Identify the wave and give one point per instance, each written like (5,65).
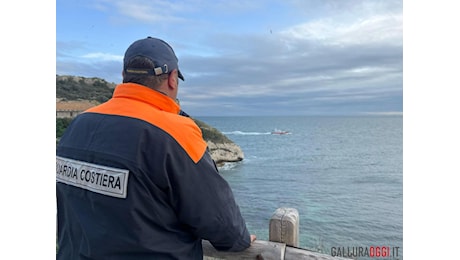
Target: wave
(228,166)
(246,133)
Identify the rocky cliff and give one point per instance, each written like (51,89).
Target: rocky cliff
(221,148)
(225,152)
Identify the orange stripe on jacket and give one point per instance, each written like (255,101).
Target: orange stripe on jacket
(137,101)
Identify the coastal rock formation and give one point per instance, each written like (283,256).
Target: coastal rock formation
(225,152)
(221,148)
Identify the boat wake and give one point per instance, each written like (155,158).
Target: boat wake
(246,133)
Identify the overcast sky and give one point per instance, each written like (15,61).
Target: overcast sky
(259,57)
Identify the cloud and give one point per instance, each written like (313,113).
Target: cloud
(103,56)
(373,30)
(321,56)
(156,12)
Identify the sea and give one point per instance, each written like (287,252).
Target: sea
(343,174)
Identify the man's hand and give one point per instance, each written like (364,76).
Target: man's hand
(253,238)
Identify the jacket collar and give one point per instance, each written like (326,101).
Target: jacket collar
(147,95)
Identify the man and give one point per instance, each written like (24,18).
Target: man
(134,178)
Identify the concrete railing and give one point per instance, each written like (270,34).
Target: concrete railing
(283,242)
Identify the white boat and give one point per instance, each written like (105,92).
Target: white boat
(279,132)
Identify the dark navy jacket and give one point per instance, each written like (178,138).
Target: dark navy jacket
(135,181)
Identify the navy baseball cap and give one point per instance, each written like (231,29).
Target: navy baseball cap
(158,51)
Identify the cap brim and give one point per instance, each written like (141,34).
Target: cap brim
(180,75)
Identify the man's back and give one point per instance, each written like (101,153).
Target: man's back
(134,181)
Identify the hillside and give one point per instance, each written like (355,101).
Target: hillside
(79,88)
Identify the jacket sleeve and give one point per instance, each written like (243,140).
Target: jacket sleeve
(205,203)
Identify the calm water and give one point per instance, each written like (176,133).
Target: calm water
(343,174)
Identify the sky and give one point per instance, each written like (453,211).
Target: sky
(258,57)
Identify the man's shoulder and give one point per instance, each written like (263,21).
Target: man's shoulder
(187,133)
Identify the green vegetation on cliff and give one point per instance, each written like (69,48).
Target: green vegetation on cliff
(211,134)
(79,88)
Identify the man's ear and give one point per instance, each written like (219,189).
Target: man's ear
(172,79)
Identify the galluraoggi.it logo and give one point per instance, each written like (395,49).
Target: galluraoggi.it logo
(361,251)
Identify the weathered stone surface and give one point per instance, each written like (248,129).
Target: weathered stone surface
(225,152)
